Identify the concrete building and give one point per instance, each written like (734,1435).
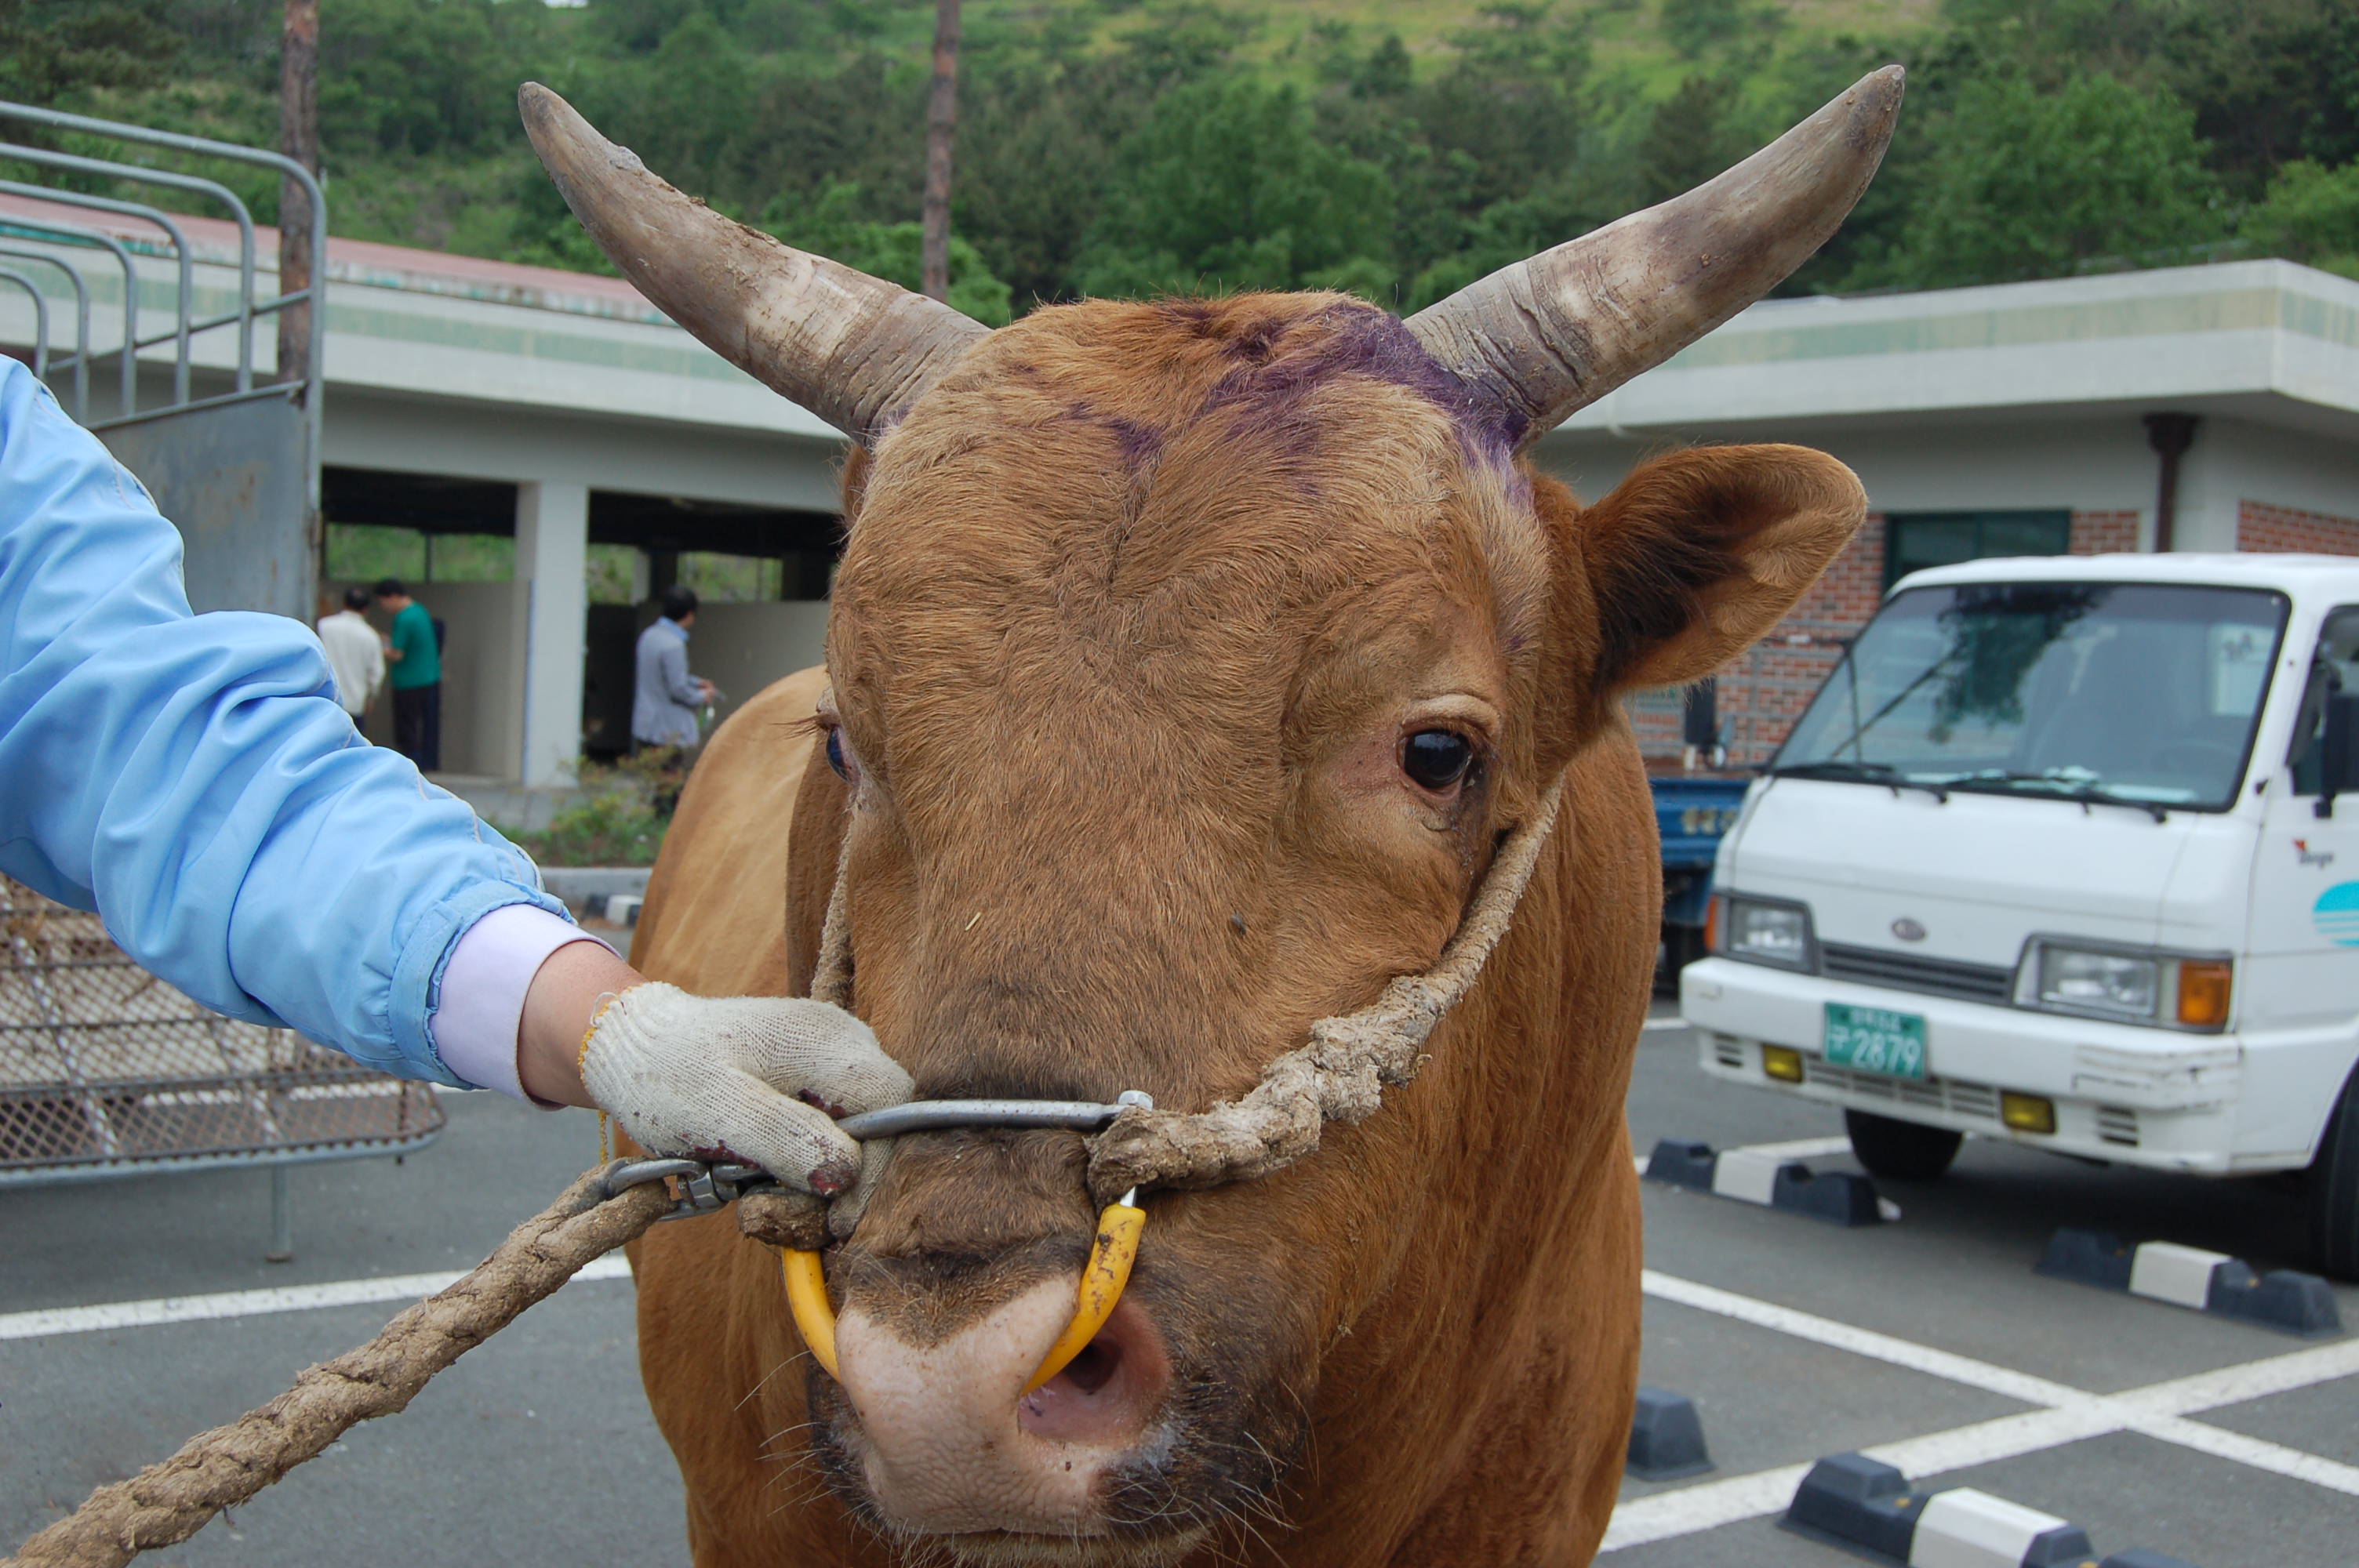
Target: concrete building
(563,411)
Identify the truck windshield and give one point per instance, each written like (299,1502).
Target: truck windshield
(2142,693)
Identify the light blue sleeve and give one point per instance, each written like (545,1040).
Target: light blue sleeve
(194,779)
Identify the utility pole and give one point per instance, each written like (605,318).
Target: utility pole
(941,129)
(298,138)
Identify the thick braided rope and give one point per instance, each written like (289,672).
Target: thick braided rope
(169,1502)
(832,972)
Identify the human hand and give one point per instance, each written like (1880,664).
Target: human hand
(697,1076)
(756,1079)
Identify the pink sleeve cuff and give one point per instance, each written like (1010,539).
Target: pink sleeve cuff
(475,1020)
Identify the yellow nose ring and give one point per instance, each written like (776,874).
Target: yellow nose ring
(1120,1224)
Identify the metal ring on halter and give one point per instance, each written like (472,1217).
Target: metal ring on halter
(1104,1277)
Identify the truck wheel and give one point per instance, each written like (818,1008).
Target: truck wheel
(2333,1191)
(1904,1151)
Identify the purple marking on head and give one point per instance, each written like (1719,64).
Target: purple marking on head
(1360,340)
(1139,444)
(1252,344)
(1519,488)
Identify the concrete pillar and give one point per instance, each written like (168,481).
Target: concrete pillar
(551,563)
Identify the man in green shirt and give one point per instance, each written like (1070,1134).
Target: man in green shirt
(416,660)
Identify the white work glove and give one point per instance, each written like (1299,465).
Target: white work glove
(750,1079)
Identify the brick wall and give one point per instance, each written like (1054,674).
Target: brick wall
(2105,533)
(2281,530)
(1765,689)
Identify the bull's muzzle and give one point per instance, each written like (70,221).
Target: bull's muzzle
(1120,1224)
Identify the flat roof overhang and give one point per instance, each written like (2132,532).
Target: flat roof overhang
(433,503)
(2267,341)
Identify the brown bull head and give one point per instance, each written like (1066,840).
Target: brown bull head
(1189,662)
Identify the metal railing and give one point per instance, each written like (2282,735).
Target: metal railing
(105,1071)
(187,326)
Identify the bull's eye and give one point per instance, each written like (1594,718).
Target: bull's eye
(1437,759)
(835,754)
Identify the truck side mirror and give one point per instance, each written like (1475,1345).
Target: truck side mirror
(2338,749)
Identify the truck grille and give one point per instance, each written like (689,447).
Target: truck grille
(1955,1096)
(1911,972)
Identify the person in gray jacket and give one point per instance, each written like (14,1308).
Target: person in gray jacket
(664,703)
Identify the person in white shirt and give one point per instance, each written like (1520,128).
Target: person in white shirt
(356,653)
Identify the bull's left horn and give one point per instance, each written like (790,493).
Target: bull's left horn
(1545,337)
(855,349)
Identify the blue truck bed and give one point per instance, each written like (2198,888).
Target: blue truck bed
(1692,812)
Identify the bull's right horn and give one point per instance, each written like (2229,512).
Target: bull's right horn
(1543,337)
(852,349)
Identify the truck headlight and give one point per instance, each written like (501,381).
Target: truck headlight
(1766,931)
(2101,982)
(2135,985)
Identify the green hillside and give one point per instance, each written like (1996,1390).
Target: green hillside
(1396,147)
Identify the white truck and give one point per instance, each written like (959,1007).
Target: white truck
(2066,852)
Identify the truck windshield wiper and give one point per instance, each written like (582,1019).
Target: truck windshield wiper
(2086,791)
(1883,773)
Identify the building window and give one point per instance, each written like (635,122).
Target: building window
(1914,540)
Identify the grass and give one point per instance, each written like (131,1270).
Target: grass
(606,830)
(615,825)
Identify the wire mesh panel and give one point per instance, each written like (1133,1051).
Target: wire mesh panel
(106,1070)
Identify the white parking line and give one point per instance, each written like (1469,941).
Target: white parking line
(252,1303)
(1942,1364)
(1654,1023)
(2066,1415)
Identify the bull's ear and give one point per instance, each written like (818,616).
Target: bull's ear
(1697,553)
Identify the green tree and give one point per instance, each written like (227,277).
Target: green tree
(832,226)
(53,50)
(420,76)
(1038,143)
(2311,214)
(1690,137)
(1227,186)
(1691,27)
(2025,183)
(2269,80)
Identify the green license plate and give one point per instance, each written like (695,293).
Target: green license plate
(1875,1040)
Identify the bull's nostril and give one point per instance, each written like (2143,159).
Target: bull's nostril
(1095,1368)
(1107,1393)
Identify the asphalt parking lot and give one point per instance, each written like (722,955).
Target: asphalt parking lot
(1930,1344)
(1928,1341)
